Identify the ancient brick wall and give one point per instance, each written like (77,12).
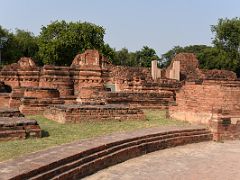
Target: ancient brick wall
(58,77)
(124,77)
(90,80)
(197,101)
(15,97)
(144,100)
(25,73)
(189,70)
(82,113)
(87,80)
(36,100)
(18,128)
(224,127)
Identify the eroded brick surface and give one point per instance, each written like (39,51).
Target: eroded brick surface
(81,113)
(12,128)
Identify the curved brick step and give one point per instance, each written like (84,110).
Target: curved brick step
(92,160)
(111,148)
(118,157)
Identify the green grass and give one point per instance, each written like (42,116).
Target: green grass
(56,134)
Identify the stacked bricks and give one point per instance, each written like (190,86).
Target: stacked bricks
(197,100)
(13,125)
(25,73)
(15,97)
(90,82)
(57,77)
(18,128)
(82,113)
(224,126)
(153,100)
(35,100)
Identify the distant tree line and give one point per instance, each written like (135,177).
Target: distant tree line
(60,41)
(225,52)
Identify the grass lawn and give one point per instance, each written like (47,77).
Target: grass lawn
(56,134)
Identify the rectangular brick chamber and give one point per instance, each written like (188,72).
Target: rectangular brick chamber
(12,128)
(80,113)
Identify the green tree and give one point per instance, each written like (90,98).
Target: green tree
(19,44)
(145,56)
(109,52)
(196,49)
(121,57)
(26,43)
(60,41)
(227,38)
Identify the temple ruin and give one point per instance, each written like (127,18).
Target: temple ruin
(93,88)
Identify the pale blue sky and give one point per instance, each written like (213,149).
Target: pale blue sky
(160,24)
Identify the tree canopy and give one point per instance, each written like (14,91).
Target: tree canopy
(60,41)
(227,39)
(142,57)
(19,44)
(225,52)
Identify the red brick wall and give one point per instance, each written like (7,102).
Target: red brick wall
(197,101)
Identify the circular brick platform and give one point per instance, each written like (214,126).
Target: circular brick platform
(206,160)
(79,159)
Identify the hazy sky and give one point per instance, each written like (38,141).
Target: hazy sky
(160,24)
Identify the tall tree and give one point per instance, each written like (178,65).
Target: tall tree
(20,43)
(196,49)
(121,57)
(145,56)
(109,52)
(26,43)
(227,38)
(60,41)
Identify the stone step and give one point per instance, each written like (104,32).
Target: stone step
(112,149)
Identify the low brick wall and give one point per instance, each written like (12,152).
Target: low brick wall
(10,112)
(36,100)
(13,128)
(225,127)
(80,113)
(33,106)
(41,93)
(196,101)
(145,100)
(15,97)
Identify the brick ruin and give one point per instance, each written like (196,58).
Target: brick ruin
(79,113)
(208,97)
(90,80)
(188,93)
(13,125)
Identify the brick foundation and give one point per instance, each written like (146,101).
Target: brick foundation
(18,128)
(82,113)
(10,112)
(36,100)
(151,100)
